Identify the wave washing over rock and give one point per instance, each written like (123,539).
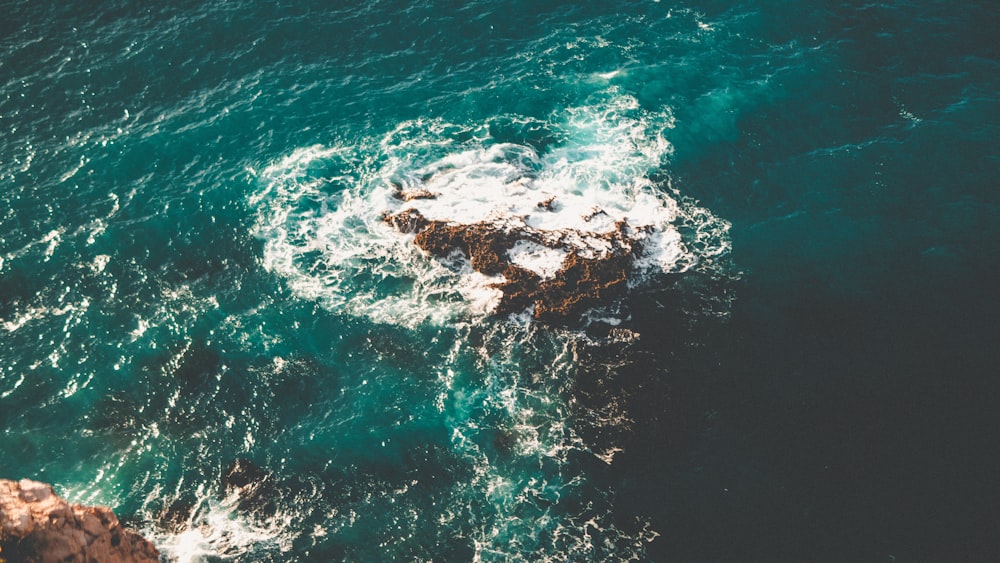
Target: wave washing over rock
(557,225)
(491,247)
(37,525)
(586,276)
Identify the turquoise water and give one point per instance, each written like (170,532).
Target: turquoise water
(193,271)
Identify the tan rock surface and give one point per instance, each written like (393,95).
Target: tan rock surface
(38,526)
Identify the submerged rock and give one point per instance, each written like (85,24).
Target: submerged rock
(594,271)
(38,526)
(175,517)
(548,204)
(254,487)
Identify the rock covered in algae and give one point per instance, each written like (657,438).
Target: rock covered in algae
(593,272)
(38,526)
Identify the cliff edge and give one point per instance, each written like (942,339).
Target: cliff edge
(38,526)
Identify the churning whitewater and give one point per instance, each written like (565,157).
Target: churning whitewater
(503,387)
(575,177)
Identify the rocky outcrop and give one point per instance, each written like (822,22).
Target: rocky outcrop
(412,194)
(38,526)
(593,273)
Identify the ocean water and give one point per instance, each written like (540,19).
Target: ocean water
(194,271)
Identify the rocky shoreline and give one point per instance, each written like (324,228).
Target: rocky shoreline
(36,525)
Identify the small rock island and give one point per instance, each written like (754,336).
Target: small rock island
(594,268)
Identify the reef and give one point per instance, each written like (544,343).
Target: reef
(594,271)
(36,525)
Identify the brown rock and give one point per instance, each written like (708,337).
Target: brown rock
(38,526)
(594,212)
(410,195)
(408,221)
(587,279)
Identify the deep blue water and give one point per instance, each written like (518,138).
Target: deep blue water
(192,272)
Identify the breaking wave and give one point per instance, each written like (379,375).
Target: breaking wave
(581,172)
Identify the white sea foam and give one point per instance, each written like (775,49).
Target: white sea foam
(520,486)
(542,260)
(220,531)
(320,209)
